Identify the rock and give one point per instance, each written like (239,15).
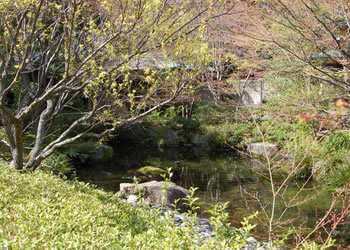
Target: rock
(264,149)
(178,219)
(150,170)
(253,91)
(91,150)
(132,199)
(251,240)
(200,140)
(135,132)
(159,193)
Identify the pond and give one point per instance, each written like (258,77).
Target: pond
(220,177)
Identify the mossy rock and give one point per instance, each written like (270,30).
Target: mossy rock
(150,170)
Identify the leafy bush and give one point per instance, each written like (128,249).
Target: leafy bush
(163,116)
(42,211)
(336,141)
(61,162)
(232,133)
(339,176)
(277,131)
(333,154)
(210,114)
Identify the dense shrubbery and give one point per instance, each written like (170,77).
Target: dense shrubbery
(232,133)
(272,123)
(42,211)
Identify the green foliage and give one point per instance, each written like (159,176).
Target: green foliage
(60,162)
(232,133)
(42,211)
(290,86)
(332,159)
(278,131)
(171,117)
(208,113)
(167,176)
(329,156)
(339,175)
(191,201)
(88,149)
(229,237)
(338,140)
(219,220)
(163,116)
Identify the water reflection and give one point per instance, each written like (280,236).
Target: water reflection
(221,177)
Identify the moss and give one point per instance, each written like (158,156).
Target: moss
(149,170)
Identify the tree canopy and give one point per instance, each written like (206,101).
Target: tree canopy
(55,54)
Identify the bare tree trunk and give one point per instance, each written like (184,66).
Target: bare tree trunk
(17,158)
(17,151)
(14,133)
(40,136)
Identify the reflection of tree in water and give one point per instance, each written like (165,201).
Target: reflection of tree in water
(219,176)
(213,174)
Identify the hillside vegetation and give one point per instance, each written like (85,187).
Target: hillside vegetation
(42,211)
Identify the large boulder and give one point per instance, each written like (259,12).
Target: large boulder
(249,92)
(264,149)
(158,193)
(91,151)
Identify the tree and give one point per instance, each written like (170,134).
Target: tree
(310,37)
(54,53)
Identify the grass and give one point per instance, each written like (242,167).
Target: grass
(42,211)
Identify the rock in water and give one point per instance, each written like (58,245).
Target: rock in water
(150,170)
(264,149)
(158,193)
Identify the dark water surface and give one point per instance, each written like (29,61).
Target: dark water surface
(220,177)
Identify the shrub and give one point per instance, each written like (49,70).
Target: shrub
(233,133)
(280,132)
(339,176)
(61,162)
(336,141)
(42,211)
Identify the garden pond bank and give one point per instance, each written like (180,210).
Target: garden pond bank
(220,177)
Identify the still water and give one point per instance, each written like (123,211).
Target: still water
(220,177)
